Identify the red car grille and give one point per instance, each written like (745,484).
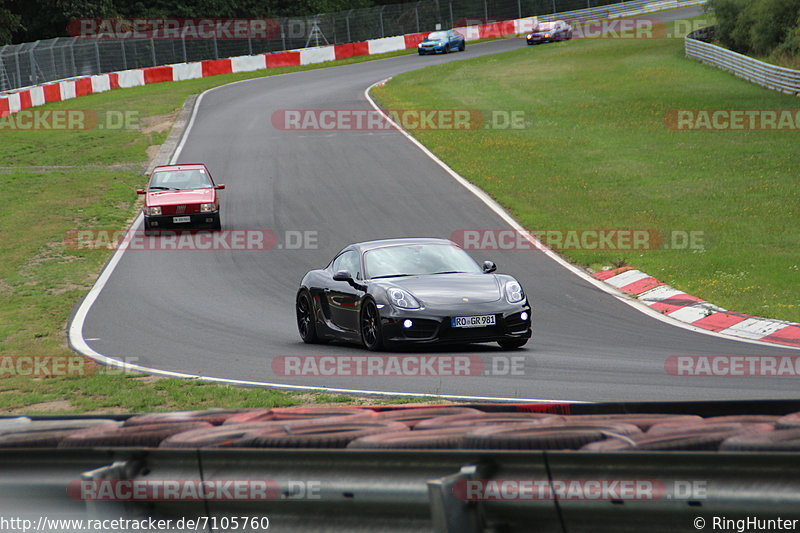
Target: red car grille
(180,209)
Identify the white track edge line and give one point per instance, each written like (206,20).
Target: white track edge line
(511,221)
(75,330)
(79,344)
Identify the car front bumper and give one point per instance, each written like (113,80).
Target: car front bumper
(195,220)
(431,50)
(434,326)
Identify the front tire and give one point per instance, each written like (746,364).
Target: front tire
(512,344)
(370,325)
(306,324)
(462,47)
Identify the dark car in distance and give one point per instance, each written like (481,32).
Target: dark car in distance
(550,32)
(411,291)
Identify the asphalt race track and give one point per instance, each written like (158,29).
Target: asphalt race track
(228,314)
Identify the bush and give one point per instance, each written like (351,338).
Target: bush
(760,27)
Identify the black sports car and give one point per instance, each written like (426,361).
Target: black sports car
(411,291)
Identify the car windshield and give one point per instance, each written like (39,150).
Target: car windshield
(437,36)
(417,260)
(180,179)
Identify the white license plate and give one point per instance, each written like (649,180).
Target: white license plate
(178,220)
(472,321)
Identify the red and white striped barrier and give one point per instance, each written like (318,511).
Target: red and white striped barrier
(692,310)
(64,90)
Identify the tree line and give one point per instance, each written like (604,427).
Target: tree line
(764,28)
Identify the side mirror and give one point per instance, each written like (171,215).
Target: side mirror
(489,267)
(220,186)
(139,191)
(342,275)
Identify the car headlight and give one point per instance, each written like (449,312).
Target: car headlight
(153,210)
(402,299)
(514,292)
(546,35)
(208,208)
(530,36)
(419,45)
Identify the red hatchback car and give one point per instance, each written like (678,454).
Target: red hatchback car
(181,196)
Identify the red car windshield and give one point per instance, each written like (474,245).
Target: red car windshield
(174,180)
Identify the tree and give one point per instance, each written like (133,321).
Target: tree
(9,23)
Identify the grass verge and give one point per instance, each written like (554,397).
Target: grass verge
(59,180)
(596,154)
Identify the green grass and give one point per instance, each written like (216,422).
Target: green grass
(57,181)
(111,391)
(598,155)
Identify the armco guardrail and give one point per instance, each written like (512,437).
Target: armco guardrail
(774,77)
(15,101)
(203,39)
(400,491)
(30,64)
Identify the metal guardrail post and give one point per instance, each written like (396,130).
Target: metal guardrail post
(115,471)
(33,65)
(19,71)
(53,64)
(452,21)
(97,56)
(183,45)
(450,514)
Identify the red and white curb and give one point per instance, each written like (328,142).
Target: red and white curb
(57,91)
(697,312)
(16,101)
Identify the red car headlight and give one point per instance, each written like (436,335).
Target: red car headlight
(153,210)
(208,208)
